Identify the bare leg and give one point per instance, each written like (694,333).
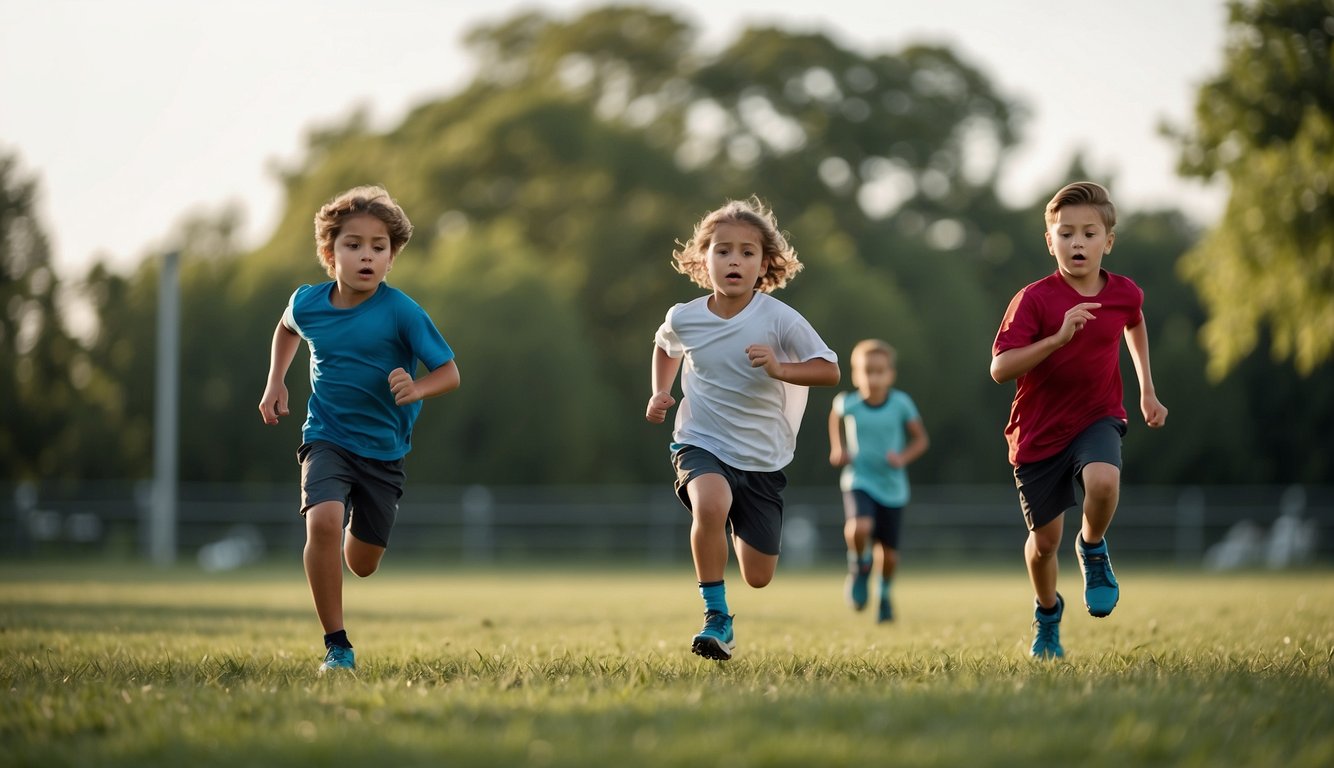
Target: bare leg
(1040,555)
(324,563)
(1102,492)
(362,558)
(757,568)
(856,532)
(889,560)
(710,503)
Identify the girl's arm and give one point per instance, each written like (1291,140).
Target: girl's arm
(665,368)
(274,401)
(1137,340)
(816,372)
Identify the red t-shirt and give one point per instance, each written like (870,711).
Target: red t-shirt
(1078,383)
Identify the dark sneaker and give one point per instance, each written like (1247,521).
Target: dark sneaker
(1047,632)
(857,587)
(1100,588)
(886,612)
(338,657)
(715,641)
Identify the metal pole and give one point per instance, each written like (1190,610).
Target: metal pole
(162,516)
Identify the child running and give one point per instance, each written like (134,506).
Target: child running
(748,361)
(875,432)
(1060,341)
(366,339)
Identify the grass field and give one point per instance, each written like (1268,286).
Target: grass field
(124,666)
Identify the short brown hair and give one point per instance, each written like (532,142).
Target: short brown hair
(691,260)
(368,200)
(869,347)
(1083,193)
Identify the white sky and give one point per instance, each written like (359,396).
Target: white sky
(132,113)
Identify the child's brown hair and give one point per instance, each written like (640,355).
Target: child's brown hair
(780,257)
(1083,193)
(367,200)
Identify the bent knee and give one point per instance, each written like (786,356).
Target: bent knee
(1101,480)
(363,569)
(758,580)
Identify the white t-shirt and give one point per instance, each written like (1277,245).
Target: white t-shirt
(739,413)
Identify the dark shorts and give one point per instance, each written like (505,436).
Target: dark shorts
(369,489)
(756,516)
(1047,487)
(886,520)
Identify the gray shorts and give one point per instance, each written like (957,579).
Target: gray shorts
(1047,487)
(756,516)
(369,489)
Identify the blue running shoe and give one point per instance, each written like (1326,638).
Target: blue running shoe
(338,657)
(886,613)
(1047,632)
(857,587)
(716,640)
(1100,588)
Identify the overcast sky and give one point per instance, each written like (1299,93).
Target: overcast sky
(132,113)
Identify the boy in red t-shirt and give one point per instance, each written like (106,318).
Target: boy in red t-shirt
(1061,341)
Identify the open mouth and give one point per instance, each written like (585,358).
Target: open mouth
(366,272)
(733,275)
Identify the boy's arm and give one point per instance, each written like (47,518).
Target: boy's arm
(1137,340)
(274,401)
(665,368)
(838,452)
(408,390)
(816,372)
(1016,361)
(918,442)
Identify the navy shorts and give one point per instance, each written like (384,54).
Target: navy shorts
(886,520)
(369,489)
(756,516)
(1047,487)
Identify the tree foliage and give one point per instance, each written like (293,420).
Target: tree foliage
(548,195)
(1266,123)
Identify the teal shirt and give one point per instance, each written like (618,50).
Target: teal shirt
(871,432)
(352,352)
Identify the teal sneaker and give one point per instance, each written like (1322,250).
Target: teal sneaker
(886,613)
(338,657)
(1047,632)
(1100,588)
(857,587)
(715,641)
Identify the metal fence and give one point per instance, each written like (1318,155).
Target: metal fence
(221,525)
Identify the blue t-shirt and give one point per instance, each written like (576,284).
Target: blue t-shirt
(871,432)
(352,352)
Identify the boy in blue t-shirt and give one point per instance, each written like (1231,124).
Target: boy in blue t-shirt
(366,339)
(874,434)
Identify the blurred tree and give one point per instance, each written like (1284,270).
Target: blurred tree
(1266,123)
(547,196)
(55,398)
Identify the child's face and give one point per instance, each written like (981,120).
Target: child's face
(362,254)
(873,375)
(735,259)
(1078,239)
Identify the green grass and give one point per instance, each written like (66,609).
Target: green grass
(121,666)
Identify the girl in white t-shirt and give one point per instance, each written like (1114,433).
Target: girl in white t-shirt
(748,360)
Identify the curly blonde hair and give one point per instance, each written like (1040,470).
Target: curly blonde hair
(781,259)
(367,200)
